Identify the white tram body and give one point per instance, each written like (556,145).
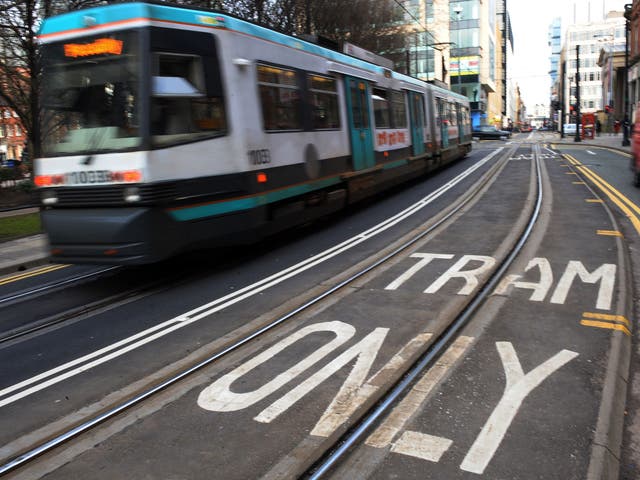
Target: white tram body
(168,129)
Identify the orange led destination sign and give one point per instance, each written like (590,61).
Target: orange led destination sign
(98,47)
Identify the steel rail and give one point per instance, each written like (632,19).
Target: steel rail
(353,437)
(116,410)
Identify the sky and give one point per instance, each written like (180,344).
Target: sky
(530,24)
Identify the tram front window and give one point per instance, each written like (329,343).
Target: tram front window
(90,97)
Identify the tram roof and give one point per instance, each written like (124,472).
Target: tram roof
(133,14)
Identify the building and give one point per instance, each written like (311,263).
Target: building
(465,44)
(555,42)
(583,50)
(12,135)
(475,57)
(633,17)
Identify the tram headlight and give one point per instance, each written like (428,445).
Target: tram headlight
(49,197)
(131,194)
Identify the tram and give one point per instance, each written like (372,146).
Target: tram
(170,128)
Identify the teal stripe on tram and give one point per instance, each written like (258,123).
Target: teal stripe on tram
(241,204)
(395,164)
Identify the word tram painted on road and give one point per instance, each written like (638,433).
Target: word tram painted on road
(472,268)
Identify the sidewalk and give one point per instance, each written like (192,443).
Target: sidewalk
(23,253)
(604,140)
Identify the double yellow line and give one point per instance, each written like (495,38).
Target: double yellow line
(630,209)
(32,273)
(603,320)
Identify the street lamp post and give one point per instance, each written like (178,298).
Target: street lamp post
(458,10)
(415,43)
(625,120)
(577,137)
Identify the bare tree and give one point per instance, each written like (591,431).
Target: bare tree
(20,60)
(371,24)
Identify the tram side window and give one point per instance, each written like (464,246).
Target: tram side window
(280,98)
(381,108)
(399,110)
(323,99)
(453,114)
(180,110)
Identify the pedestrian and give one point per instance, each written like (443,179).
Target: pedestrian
(598,127)
(616,127)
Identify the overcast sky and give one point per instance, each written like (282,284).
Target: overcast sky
(530,23)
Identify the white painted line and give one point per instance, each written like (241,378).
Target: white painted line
(517,387)
(421,445)
(144,337)
(591,153)
(413,401)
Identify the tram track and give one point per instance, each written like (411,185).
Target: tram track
(208,309)
(356,434)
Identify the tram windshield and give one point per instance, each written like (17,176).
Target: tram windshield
(90,95)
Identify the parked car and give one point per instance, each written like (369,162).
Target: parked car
(570,129)
(489,132)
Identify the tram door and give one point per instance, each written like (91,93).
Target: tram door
(443,117)
(357,95)
(416,111)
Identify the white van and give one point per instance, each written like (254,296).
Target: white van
(570,129)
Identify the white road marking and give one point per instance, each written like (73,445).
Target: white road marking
(540,288)
(80,365)
(352,393)
(518,386)
(469,276)
(421,445)
(606,274)
(218,396)
(591,153)
(426,259)
(413,401)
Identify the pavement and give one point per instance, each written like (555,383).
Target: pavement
(21,254)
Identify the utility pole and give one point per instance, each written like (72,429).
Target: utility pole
(577,139)
(563,111)
(458,10)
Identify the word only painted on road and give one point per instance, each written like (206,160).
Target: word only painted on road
(470,269)
(360,385)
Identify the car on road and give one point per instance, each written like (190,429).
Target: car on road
(489,132)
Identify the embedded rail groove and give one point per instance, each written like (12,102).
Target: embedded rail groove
(443,217)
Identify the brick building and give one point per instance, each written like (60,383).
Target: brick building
(13,137)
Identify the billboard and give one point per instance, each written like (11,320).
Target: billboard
(468,66)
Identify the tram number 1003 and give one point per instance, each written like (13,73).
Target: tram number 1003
(259,157)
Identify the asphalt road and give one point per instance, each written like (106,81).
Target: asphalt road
(531,389)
